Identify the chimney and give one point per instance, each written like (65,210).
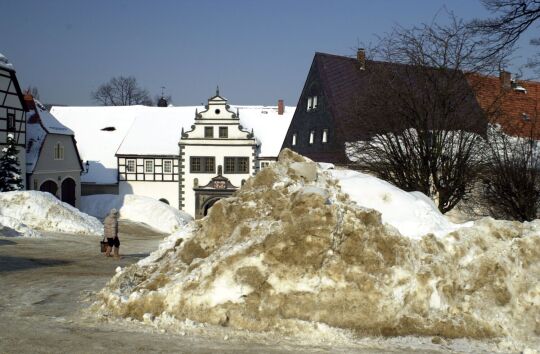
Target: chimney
(29,101)
(361,57)
(280,107)
(506,80)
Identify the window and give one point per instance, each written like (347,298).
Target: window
(265,164)
(208,132)
(223,132)
(294,139)
(130,166)
(202,164)
(311,137)
(58,151)
(236,164)
(312,103)
(167,166)
(11,121)
(148,166)
(325,135)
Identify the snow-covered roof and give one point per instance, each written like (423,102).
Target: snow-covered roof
(40,123)
(142,130)
(4,63)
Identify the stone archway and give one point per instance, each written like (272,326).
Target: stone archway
(68,191)
(49,186)
(208,204)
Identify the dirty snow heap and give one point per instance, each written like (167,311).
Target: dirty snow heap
(291,247)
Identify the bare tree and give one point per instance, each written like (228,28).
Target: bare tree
(423,125)
(511,184)
(513,17)
(122,91)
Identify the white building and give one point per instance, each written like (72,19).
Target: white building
(12,111)
(53,163)
(188,157)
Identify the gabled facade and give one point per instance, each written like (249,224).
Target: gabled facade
(12,111)
(216,153)
(53,163)
(188,157)
(329,109)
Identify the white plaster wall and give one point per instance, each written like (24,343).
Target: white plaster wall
(156,190)
(220,152)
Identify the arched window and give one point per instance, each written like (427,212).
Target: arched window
(59,151)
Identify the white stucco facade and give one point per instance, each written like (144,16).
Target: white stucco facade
(165,191)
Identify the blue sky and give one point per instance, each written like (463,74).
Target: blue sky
(256,51)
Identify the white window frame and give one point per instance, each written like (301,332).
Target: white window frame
(294,139)
(314,99)
(146,170)
(165,163)
(58,151)
(128,170)
(311,137)
(309,103)
(325,135)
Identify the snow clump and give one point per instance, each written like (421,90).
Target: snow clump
(154,213)
(290,247)
(43,211)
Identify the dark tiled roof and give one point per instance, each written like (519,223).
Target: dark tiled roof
(344,83)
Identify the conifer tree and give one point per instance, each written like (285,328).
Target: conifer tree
(10,173)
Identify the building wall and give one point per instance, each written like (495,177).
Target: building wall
(38,178)
(93,188)
(11,103)
(315,120)
(219,152)
(48,168)
(156,190)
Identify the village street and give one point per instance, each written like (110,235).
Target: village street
(48,282)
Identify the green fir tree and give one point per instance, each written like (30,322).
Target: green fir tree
(10,173)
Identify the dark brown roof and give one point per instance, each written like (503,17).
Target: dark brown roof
(344,83)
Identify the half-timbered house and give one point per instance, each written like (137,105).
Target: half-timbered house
(12,111)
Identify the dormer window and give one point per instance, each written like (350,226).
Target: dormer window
(293,143)
(208,132)
(312,103)
(311,137)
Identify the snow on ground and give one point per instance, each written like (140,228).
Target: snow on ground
(291,249)
(154,213)
(11,227)
(42,211)
(413,214)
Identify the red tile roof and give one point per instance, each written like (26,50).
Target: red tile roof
(516,111)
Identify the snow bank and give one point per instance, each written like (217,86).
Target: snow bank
(154,213)
(11,227)
(413,214)
(291,247)
(42,211)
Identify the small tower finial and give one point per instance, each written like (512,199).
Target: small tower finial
(237,113)
(162,90)
(217,90)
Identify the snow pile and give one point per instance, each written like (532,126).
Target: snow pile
(11,227)
(291,248)
(154,213)
(413,214)
(42,211)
